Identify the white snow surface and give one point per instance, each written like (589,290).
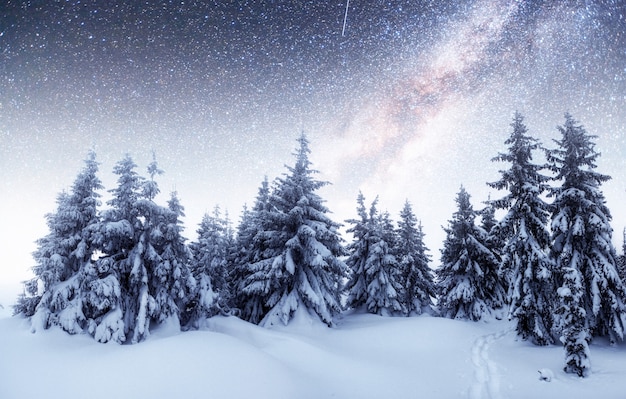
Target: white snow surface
(364,356)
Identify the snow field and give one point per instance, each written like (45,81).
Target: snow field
(365,356)
(518,364)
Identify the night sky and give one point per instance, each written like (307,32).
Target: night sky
(410,102)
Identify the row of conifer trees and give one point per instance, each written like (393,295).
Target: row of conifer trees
(553,264)
(113,273)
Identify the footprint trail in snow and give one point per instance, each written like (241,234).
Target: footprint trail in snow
(486,380)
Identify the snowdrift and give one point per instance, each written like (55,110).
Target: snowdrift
(365,356)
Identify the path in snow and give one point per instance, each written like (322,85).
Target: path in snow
(486,381)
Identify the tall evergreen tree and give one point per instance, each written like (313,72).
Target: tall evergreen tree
(385,290)
(210,266)
(375,274)
(525,262)
(469,286)
(143,275)
(140,304)
(116,237)
(250,248)
(172,281)
(64,256)
(418,287)
(494,242)
(358,250)
(300,267)
(582,241)
(238,254)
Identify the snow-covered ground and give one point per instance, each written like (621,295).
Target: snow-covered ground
(365,356)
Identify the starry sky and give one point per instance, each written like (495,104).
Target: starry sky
(406,100)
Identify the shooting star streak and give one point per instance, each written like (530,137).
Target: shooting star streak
(345,19)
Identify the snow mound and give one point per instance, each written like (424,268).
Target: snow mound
(545,374)
(365,356)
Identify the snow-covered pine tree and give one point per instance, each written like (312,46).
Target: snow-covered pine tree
(210,267)
(384,289)
(159,277)
(143,274)
(468,283)
(300,268)
(117,235)
(47,269)
(249,248)
(172,281)
(582,236)
(525,265)
(375,274)
(229,233)
(358,250)
(494,242)
(232,253)
(418,287)
(143,256)
(55,294)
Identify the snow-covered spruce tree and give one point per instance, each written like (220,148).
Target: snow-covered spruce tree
(384,291)
(494,241)
(210,267)
(374,282)
(156,286)
(300,268)
(117,235)
(249,249)
(525,265)
(139,302)
(358,250)
(143,275)
(582,235)
(172,281)
(468,283)
(55,294)
(418,287)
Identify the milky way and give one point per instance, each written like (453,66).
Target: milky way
(410,102)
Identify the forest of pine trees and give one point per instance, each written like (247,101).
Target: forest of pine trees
(116,272)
